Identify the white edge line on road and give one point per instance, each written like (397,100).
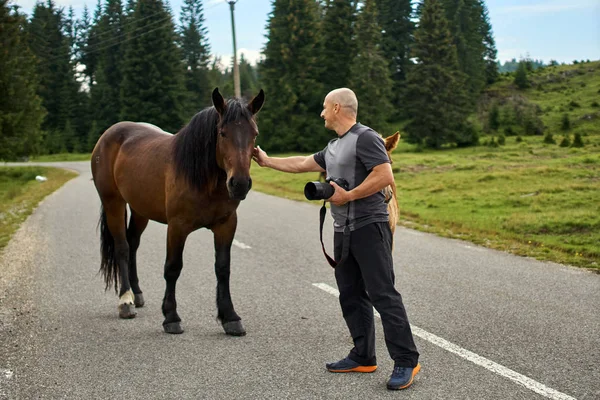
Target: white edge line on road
(474,248)
(474,358)
(241,245)
(414,232)
(6,372)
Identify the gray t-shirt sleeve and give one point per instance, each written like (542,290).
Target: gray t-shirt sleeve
(320,158)
(370,150)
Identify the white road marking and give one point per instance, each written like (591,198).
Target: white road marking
(241,245)
(6,373)
(474,248)
(413,232)
(474,358)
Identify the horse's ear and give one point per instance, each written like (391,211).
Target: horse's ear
(256,103)
(218,101)
(391,142)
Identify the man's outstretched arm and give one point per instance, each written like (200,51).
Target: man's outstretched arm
(287,164)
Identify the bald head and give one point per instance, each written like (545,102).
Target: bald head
(346,99)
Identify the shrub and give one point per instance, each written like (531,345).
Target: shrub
(549,139)
(565,123)
(566,142)
(508,131)
(492,143)
(577,141)
(533,125)
(494,117)
(519,139)
(501,140)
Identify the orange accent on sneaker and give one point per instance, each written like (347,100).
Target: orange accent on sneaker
(360,368)
(414,373)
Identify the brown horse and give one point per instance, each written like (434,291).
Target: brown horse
(390,192)
(193,179)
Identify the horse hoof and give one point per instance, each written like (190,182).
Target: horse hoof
(173,328)
(139,300)
(127,311)
(234,328)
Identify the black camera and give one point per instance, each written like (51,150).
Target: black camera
(323,191)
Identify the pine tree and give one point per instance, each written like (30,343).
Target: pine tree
(248,79)
(490,53)
(476,49)
(90,49)
(339,48)
(21,111)
(83,27)
(109,52)
(494,117)
(521,79)
(196,53)
(152,88)
(465,26)
(51,39)
(93,136)
(370,73)
(438,106)
(394,18)
(290,76)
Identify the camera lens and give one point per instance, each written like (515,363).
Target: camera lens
(318,191)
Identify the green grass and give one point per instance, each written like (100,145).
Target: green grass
(544,205)
(62,157)
(20,193)
(529,198)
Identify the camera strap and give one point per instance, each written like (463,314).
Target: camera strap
(346,239)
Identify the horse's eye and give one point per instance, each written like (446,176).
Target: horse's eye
(222,133)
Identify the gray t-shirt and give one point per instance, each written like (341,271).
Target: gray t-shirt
(352,156)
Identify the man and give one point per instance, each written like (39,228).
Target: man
(365,278)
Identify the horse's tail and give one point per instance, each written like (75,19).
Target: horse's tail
(109,267)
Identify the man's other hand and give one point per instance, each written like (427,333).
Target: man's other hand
(340,196)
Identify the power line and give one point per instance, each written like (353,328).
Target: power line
(102,45)
(109,46)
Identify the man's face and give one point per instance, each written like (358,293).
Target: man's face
(328,114)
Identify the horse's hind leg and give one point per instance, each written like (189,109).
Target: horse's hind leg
(116,218)
(223,235)
(137,225)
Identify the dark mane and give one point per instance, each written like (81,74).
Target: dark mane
(195,150)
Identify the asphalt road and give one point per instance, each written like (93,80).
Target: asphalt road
(488,325)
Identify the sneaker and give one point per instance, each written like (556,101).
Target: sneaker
(348,365)
(402,377)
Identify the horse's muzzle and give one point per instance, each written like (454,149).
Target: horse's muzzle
(239,187)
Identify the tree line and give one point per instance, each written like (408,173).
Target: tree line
(66,79)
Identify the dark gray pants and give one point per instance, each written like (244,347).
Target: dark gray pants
(366,280)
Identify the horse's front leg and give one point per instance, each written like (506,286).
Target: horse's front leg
(224,234)
(176,236)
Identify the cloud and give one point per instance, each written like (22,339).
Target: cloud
(549,7)
(252,56)
(509,54)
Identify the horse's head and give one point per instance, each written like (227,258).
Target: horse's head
(236,136)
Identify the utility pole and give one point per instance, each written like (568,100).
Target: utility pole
(236,70)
